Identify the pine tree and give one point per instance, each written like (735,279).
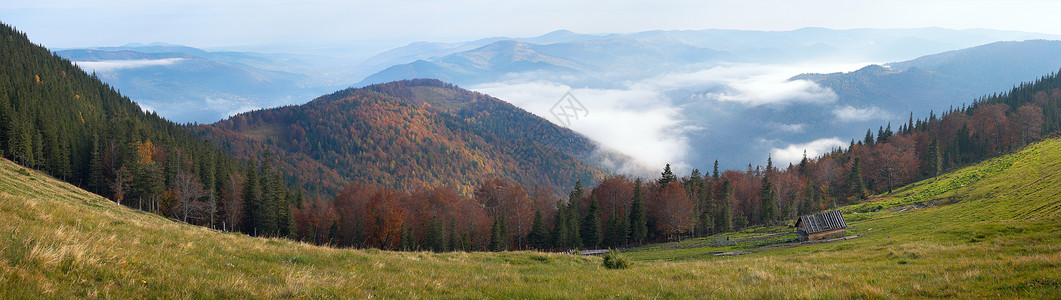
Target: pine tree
(638,216)
(868,141)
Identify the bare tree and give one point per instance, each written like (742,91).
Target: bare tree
(233,200)
(121,183)
(188,191)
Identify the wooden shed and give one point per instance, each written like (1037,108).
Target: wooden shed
(820,226)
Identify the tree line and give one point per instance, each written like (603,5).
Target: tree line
(622,211)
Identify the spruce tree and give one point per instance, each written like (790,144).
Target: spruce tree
(715,174)
(252,204)
(666,177)
(498,235)
(454,237)
(408,241)
(854,184)
(538,236)
(933,160)
(638,216)
(591,225)
(558,237)
(768,206)
(435,237)
(725,212)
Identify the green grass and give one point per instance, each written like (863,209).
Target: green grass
(989,230)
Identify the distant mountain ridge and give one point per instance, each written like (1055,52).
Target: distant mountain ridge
(409,134)
(939,81)
(644,52)
(195,85)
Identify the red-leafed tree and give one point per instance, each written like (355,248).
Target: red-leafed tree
(675,210)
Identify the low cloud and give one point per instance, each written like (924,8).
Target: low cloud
(643,118)
(849,113)
(112,65)
(639,123)
(794,153)
(751,84)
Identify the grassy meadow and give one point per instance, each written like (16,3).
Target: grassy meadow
(988,230)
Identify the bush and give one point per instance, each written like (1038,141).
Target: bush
(613,260)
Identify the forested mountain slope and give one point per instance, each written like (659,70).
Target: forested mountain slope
(56,118)
(410,134)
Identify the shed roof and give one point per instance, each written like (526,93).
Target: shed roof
(821,222)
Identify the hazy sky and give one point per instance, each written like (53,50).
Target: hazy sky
(214,23)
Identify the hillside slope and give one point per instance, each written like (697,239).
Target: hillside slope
(996,236)
(411,134)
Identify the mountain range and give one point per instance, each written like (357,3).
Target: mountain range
(732,95)
(188,84)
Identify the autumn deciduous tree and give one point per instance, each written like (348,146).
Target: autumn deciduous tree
(120,184)
(1029,119)
(675,211)
(188,191)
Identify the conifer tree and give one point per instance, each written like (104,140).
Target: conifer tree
(538,236)
(559,236)
(933,160)
(408,240)
(435,236)
(854,184)
(252,204)
(767,196)
(638,216)
(725,212)
(498,235)
(715,174)
(454,238)
(666,177)
(591,225)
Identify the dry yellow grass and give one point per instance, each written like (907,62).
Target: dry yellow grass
(60,242)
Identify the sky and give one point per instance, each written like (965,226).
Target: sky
(386,24)
(364,28)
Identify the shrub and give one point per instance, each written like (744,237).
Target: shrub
(613,260)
